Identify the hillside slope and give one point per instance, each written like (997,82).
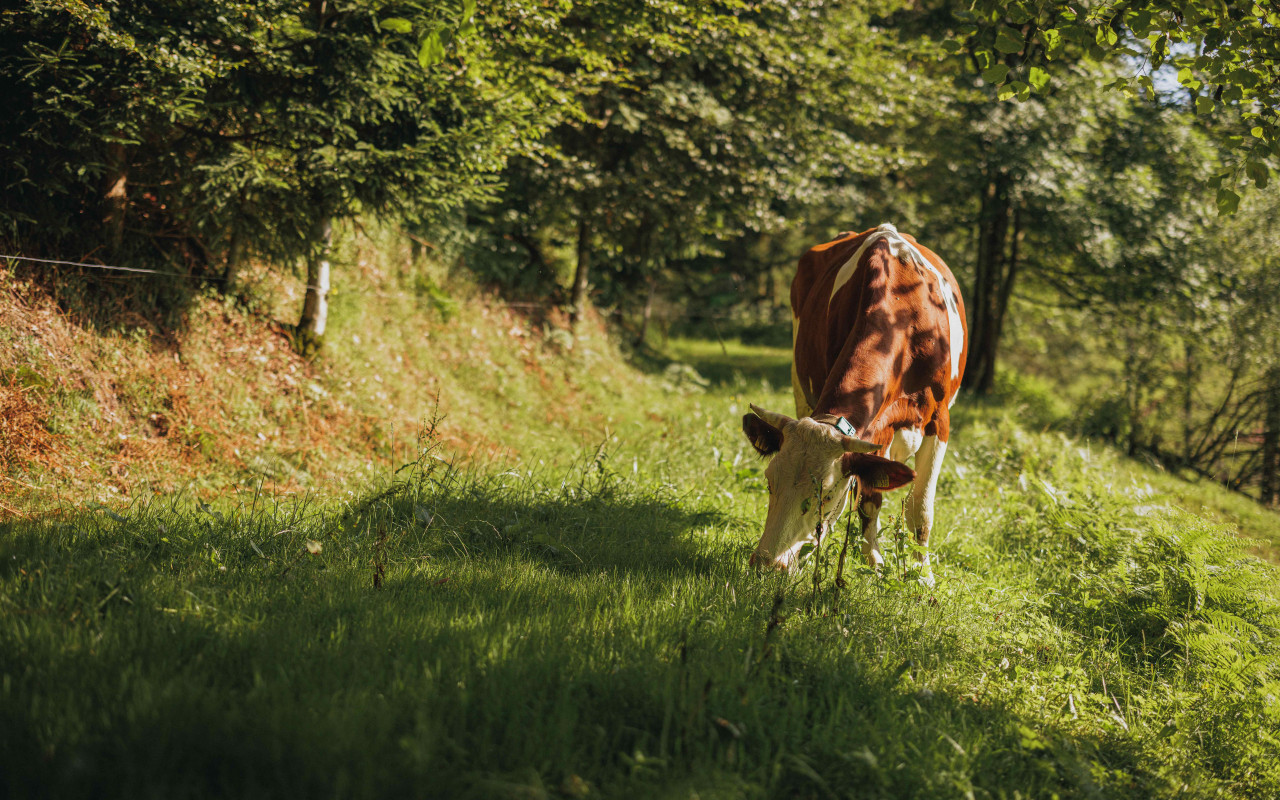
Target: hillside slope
(551,597)
(100,412)
(97,412)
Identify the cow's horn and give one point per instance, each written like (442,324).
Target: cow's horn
(775,420)
(853,444)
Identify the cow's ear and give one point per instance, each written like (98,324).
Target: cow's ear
(876,473)
(765,438)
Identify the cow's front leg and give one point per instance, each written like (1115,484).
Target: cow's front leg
(869,516)
(920,503)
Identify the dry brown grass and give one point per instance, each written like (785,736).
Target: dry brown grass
(24,438)
(220,402)
(163,409)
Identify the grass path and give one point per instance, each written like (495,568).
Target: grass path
(590,629)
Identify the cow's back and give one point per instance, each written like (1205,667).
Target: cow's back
(877,320)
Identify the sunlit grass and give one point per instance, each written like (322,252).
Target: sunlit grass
(590,628)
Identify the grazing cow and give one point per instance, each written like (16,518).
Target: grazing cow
(879,337)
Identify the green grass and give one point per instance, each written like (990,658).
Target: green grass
(591,629)
(1037,404)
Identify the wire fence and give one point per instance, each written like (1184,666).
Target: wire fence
(111,267)
(661,316)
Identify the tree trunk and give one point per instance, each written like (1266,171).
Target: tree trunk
(1002,299)
(235,255)
(648,310)
(1133,396)
(315,308)
(992,284)
(116,195)
(578,301)
(1270,481)
(1188,393)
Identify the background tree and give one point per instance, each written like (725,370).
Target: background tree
(1225,52)
(703,143)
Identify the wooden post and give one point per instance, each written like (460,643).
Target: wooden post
(315,308)
(1270,479)
(116,195)
(648,310)
(578,301)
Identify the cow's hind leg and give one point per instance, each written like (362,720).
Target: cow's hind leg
(920,503)
(869,516)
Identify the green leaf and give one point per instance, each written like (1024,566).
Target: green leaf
(1018,14)
(397,25)
(1228,201)
(995,75)
(1258,173)
(1006,92)
(1140,24)
(984,59)
(1039,78)
(1007,41)
(1052,39)
(1158,51)
(1105,35)
(1030,740)
(1257,132)
(952,46)
(431,51)
(1021,90)
(1204,105)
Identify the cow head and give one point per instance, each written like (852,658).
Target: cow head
(809,476)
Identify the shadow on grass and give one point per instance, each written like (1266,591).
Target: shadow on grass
(719,364)
(526,632)
(367,694)
(730,367)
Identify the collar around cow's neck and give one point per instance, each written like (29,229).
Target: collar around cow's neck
(839,423)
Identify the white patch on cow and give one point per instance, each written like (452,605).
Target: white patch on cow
(906,251)
(920,501)
(807,487)
(906,441)
(787,558)
(846,270)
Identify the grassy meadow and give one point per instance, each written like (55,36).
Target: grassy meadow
(575,618)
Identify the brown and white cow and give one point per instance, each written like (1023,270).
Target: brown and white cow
(880,343)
